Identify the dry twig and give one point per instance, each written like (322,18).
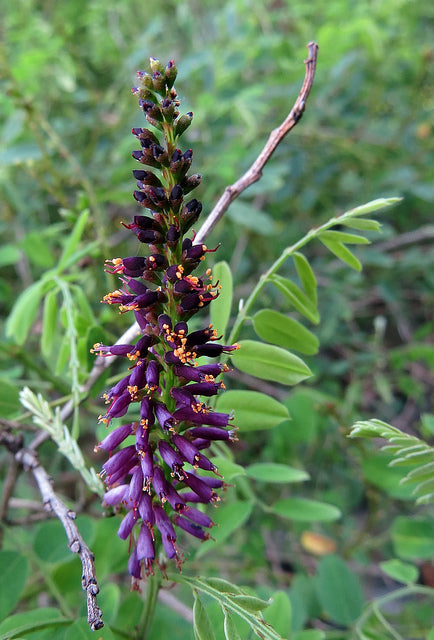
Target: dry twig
(52,503)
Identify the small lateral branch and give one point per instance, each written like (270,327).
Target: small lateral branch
(254,173)
(52,502)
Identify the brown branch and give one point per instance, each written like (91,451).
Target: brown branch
(52,503)
(254,173)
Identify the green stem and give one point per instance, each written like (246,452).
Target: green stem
(374,607)
(152,588)
(242,316)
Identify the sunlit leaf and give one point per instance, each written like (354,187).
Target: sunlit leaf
(282,331)
(252,410)
(268,362)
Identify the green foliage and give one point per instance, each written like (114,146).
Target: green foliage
(407,451)
(65,166)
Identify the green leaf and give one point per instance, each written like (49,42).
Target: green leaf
(49,321)
(21,623)
(268,362)
(10,404)
(253,410)
(38,250)
(13,577)
(250,603)
(369,207)
(304,510)
(364,224)
(222,585)
(231,632)
(72,240)
(400,571)
(278,329)
(297,298)
(221,308)
(306,275)
(278,613)
(24,312)
(343,253)
(202,626)
(227,468)
(229,518)
(273,472)
(342,237)
(413,538)
(339,591)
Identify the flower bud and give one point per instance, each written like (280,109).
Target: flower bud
(182,123)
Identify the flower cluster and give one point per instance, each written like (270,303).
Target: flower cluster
(157,477)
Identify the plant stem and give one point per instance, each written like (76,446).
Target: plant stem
(152,588)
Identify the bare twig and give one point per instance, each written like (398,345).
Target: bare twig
(276,136)
(51,502)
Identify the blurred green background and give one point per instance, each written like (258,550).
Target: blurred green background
(66,111)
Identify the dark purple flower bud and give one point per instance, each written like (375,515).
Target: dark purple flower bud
(114,350)
(170,73)
(171,358)
(172,236)
(165,527)
(201,443)
(158,197)
(116,495)
(118,389)
(198,517)
(191,302)
(181,328)
(117,409)
(173,498)
(134,568)
(137,378)
(164,323)
(147,417)
(192,454)
(172,459)
(212,481)
(189,527)
(144,134)
(191,182)
(160,154)
(199,487)
(197,415)
(159,82)
(127,524)
(211,350)
(147,465)
(150,237)
(182,123)
(115,438)
(175,198)
(136,486)
(163,415)
(152,375)
(146,510)
(140,349)
(212,433)
(190,214)
(152,110)
(159,483)
(145,544)
(136,286)
(140,319)
(190,496)
(205,388)
(123,459)
(142,436)
(182,395)
(176,161)
(155,261)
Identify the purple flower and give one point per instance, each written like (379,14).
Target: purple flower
(164,387)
